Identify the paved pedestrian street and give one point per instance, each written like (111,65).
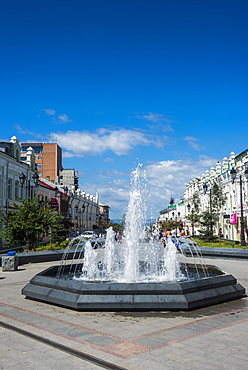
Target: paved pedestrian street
(38,335)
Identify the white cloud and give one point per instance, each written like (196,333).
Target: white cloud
(192,141)
(120,142)
(25,131)
(114,193)
(49,112)
(63,118)
(154,117)
(164,179)
(108,160)
(206,161)
(170,177)
(190,138)
(160,127)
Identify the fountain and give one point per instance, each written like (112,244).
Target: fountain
(134,275)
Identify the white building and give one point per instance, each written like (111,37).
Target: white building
(12,173)
(230,214)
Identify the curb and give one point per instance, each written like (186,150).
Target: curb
(233,253)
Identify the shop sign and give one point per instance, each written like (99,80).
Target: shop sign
(234,219)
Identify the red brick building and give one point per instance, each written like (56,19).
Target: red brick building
(48,159)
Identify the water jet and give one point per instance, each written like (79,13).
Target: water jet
(139,274)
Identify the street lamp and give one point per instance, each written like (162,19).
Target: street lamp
(35,178)
(56,191)
(177,217)
(233,174)
(76,210)
(82,217)
(192,218)
(59,193)
(205,188)
(22,179)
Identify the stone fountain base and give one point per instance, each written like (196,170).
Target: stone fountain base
(108,296)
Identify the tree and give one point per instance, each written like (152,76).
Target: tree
(169,225)
(194,215)
(218,198)
(60,229)
(104,225)
(207,222)
(27,221)
(209,218)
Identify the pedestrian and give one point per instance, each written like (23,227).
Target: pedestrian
(220,234)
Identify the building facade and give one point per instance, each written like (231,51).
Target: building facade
(48,159)
(69,178)
(17,179)
(19,166)
(234,212)
(104,212)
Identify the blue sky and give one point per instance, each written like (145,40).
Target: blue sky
(117,82)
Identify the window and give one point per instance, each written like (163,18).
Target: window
(9,195)
(16,189)
(39,157)
(37,149)
(38,165)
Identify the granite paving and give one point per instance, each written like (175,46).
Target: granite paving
(38,335)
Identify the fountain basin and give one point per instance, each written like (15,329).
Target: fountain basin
(182,295)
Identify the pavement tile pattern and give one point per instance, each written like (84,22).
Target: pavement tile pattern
(215,337)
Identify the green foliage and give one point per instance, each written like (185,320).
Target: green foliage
(218,198)
(210,217)
(117,227)
(217,243)
(208,221)
(27,221)
(104,225)
(169,225)
(59,229)
(52,246)
(194,215)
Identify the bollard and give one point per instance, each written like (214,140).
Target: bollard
(10,262)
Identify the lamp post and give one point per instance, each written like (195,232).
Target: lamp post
(56,192)
(192,218)
(178,215)
(69,213)
(205,188)
(63,209)
(233,174)
(76,216)
(35,178)
(83,209)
